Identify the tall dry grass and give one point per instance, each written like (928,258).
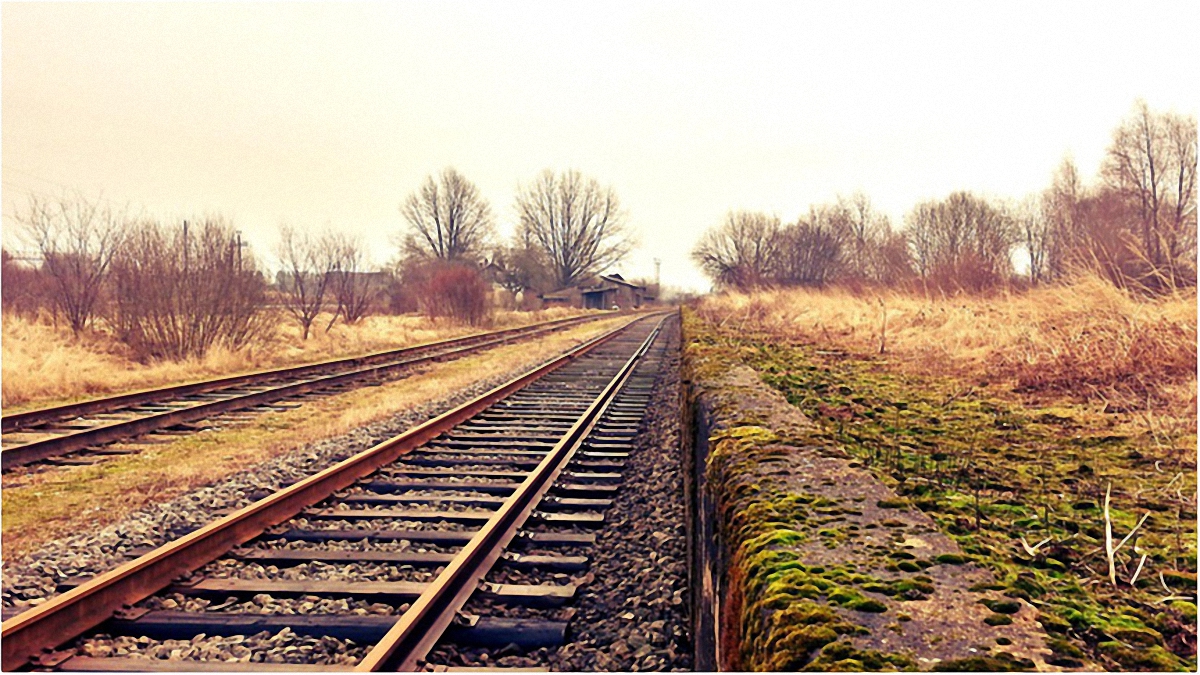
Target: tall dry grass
(1086,339)
(42,365)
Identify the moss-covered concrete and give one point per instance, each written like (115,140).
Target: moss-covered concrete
(984,471)
(827,568)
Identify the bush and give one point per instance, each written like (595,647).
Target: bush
(27,289)
(449,290)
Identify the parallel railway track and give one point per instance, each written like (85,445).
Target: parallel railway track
(508,484)
(51,433)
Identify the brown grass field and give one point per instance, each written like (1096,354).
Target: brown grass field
(43,365)
(1087,341)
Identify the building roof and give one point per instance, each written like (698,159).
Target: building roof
(617,279)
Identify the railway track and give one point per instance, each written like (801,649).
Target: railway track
(50,434)
(491,503)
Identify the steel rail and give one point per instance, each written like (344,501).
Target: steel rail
(62,618)
(21,420)
(419,629)
(34,451)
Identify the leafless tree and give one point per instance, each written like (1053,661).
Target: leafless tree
(448,219)
(576,224)
(352,285)
(520,267)
(77,238)
(1151,162)
(308,270)
(809,253)
(741,252)
(1062,206)
(963,241)
(894,262)
(861,231)
(1035,230)
(179,290)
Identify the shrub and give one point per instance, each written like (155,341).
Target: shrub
(454,291)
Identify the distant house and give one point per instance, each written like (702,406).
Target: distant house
(610,291)
(613,292)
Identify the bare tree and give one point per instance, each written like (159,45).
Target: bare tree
(894,262)
(741,252)
(865,231)
(1035,229)
(576,224)
(520,267)
(448,219)
(1151,162)
(77,238)
(179,290)
(352,285)
(308,269)
(1062,206)
(809,253)
(962,241)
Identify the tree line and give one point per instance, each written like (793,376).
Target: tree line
(171,290)
(1135,225)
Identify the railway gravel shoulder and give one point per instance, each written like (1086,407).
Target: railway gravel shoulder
(34,578)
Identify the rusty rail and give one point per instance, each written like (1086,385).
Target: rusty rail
(38,450)
(21,420)
(30,634)
(419,629)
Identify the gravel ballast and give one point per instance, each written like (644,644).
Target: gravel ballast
(631,612)
(34,578)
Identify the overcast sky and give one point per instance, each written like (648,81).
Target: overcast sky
(317,114)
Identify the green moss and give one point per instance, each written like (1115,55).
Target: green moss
(843,657)
(891,503)
(1138,658)
(1064,647)
(998,620)
(1026,582)
(1187,609)
(866,605)
(1138,637)
(950,559)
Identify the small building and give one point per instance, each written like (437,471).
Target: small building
(612,292)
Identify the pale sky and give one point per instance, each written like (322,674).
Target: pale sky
(317,114)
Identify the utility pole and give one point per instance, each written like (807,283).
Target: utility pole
(239,244)
(657,269)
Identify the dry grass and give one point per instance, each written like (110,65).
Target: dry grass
(1087,340)
(43,365)
(38,508)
